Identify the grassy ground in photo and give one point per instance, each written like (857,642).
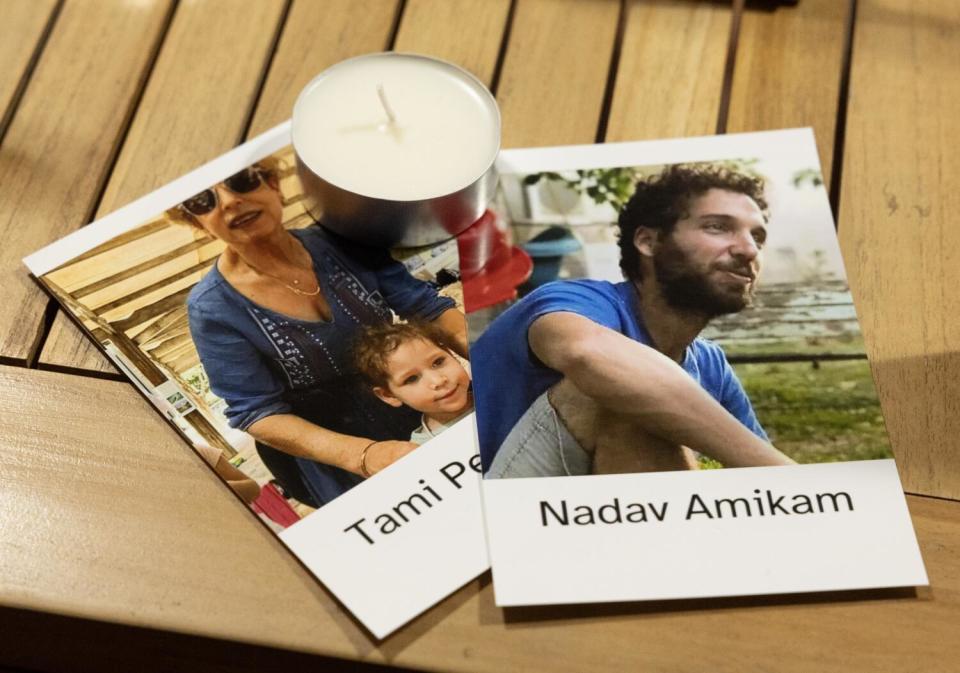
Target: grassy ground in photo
(816,414)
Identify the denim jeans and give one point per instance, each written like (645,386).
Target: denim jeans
(539,445)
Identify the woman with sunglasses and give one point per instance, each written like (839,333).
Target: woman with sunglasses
(274,322)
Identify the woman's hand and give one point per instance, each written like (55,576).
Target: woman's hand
(298,437)
(381,455)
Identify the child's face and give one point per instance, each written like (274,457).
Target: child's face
(426,378)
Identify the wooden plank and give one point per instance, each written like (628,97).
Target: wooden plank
(24,23)
(154,287)
(162,328)
(898,230)
(175,346)
(140,268)
(299,56)
(65,468)
(199,95)
(192,561)
(788,69)
(317,35)
(78,276)
(151,310)
(195,107)
(142,231)
(177,334)
(670,73)
(555,71)
(61,140)
(464,32)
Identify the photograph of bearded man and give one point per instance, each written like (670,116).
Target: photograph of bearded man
(614,377)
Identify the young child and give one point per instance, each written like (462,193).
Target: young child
(413,364)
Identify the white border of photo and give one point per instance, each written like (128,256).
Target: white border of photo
(609,538)
(432,493)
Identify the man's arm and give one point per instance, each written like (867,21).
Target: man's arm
(630,378)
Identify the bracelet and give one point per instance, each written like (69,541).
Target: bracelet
(363,459)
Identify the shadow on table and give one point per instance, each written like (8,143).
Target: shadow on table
(38,641)
(545,613)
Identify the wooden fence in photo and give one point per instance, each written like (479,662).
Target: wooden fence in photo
(130,294)
(792,322)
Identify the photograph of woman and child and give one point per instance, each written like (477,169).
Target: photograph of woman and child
(295,330)
(331,355)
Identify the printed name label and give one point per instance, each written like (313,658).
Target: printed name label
(399,542)
(706,533)
(416,504)
(761,503)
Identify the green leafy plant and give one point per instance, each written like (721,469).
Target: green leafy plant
(197,380)
(612,186)
(810,176)
(615,186)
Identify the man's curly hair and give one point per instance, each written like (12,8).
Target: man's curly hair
(661,200)
(377,343)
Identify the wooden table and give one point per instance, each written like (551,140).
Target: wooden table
(118,551)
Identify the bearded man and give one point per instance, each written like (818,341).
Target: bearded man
(587,376)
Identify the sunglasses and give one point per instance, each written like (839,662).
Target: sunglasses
(244,182)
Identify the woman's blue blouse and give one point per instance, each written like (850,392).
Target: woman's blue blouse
(261,362)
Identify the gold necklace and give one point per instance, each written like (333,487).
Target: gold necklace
(292,288)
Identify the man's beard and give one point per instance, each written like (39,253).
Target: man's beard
(687,289)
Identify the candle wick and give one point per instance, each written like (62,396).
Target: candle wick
(386,104)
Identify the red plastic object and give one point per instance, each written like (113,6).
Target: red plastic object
(490,267)
(273,505)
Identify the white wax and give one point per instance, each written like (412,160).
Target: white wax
(446,134)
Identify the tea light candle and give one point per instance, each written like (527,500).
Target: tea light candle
(401,133)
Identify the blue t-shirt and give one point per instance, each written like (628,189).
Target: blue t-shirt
(508,377)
